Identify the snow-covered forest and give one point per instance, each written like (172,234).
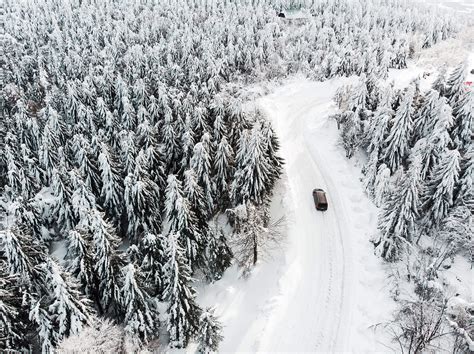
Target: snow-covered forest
(419,171)
(127,134)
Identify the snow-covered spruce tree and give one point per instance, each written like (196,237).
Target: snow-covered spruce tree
(68,310)
(437,138)
(223,170)
(455,84)
(27,216)
(373,91)
(218,253)
(156,160)
(271,146)
(397,222)
(398,139)
(80,263)
(112,189)
(23,171)
(201,164)
(440,83)
(48,150)
(464,192)
(180,218)
(151,249)
(438,196)
(108,261)
(140,320)
(358,95)
(424,117)
(370,171)
(463,112)
(456,230)
(142,200)
(210,332)
(378,129)
(195,195)
(62,209)
(82,199)
(12,168)
(128,151)
(22,252)
(170,142)
(252,169)
(86,163)
(352,132)
(183,312)
(14,321)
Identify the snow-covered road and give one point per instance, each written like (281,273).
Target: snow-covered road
(331,291)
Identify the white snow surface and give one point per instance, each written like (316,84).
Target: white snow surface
(333,289)
(325,290)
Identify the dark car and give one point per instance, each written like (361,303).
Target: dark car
(320,200)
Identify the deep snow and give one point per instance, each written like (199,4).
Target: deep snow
(333,290)
(325,289)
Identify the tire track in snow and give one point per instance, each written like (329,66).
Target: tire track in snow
(322,259)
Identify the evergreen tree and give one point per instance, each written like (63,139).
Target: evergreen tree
(463,112)
(62,209)
(187,143)
(142,200)
(152,262)
(140,321)
(22,253)
(464,192)
(455,85)
(80,263)
(112,189)
(68,310)
(271,145)
(82,198)
(378,130)
(218,254)
(438,196)
(399,137)
(14,320)
(424,117)
(358,97)
(48,150)
(183,312)
(195,195)
(440,84)
(85,163)
(201,164)
(352,133)
(107,260)
(223,169)
(252,174)
(181,219)
(210,333)
(128,151)
(397,223)
(370,171)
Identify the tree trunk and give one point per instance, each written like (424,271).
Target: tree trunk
(255,250)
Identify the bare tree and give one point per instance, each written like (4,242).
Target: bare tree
(255,236)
